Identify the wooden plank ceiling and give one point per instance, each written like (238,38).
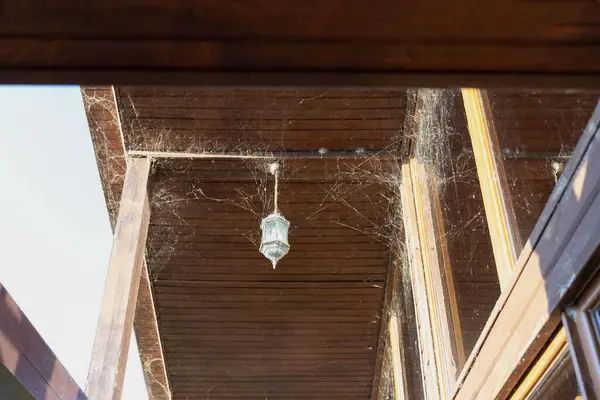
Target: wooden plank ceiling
(230,325)
(227,42)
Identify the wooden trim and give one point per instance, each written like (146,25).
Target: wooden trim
(392,339)
(545,363)
(499,210)
(441,295)
(435,304)
(398,359)
(382,343)
(423,317)
(150,343)
(556,261)
(584,339)
(28,358)
(109,355)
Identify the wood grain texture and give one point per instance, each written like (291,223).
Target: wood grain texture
(259,121)
(148,41)
(109,355)
(25,355)
(423,312)
(441,298)
(500,214)
(228,320)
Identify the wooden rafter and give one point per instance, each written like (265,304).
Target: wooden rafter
(109,355)
(499,211)
(25,356)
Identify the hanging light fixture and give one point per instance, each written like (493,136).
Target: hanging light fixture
(274,244)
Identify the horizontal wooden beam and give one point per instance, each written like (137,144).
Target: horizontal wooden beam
(109,355)
(351,154)
(560,256)
(25,355)
(499,211)
(290,80)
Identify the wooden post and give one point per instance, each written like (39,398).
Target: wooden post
(499,211)
(440,337)
(109,356)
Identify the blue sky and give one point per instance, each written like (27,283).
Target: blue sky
(55,237)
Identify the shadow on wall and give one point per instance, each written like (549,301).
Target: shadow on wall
(28,368)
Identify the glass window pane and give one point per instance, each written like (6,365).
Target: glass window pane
(537,132)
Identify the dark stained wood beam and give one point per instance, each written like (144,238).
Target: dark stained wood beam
(25,356)
(499,210)
(558,260)
(528,44)
(109,356)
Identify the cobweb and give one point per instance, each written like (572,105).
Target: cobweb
(440,141)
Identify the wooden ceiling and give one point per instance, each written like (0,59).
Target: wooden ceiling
(266,42)
(196,120)
(230,325)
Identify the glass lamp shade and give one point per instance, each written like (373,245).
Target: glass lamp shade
(274,244)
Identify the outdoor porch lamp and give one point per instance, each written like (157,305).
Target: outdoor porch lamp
(274,244)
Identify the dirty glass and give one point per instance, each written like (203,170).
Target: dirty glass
(537,132)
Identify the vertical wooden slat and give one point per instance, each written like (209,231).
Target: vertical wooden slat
(499,211)
(382,348)
(440,337)
(109,356)
(447,335)
(417,275)
(398,359)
